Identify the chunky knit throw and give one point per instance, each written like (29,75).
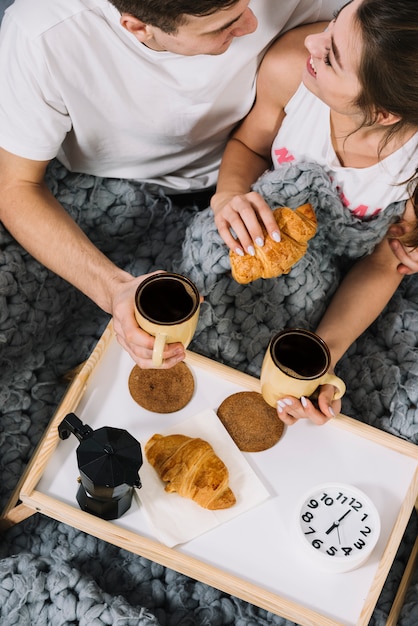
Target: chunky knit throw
(237,321)
(54,575)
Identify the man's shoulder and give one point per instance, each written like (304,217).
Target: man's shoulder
(42,15)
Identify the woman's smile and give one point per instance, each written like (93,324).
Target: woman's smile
(311,67)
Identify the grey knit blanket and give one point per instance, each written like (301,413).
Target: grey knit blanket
(237,321)
(52,574)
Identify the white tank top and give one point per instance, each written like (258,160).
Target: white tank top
(305,136)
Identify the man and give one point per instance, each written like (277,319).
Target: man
(140,89)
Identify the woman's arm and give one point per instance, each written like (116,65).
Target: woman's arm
(358,301)
(247,154)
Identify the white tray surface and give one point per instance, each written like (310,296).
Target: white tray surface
(258,545)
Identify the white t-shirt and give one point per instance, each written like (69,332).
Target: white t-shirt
(75,84)
(305,136)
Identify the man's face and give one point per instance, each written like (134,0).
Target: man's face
(207,34)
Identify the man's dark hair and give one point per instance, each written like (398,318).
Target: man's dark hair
(168,15)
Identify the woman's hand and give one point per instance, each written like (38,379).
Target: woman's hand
(291,409)
(245,215)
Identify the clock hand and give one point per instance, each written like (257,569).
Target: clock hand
(338,533)
(337,523)
(331,528)
(345,515)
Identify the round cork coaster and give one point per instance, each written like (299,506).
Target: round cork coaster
(252,423)
(162,391)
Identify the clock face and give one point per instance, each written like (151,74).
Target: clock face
(339,526)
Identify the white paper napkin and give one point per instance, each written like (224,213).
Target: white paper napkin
(176,519)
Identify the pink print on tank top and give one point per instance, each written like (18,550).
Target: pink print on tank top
(283,156)
(360,210)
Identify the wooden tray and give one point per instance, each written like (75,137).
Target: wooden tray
(252,556)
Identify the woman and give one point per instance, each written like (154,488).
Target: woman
(356,114)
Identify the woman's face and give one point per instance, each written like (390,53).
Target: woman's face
(331,72)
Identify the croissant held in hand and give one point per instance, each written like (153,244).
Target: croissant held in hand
(275,258)
(190,467)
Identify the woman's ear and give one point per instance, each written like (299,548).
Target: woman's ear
(138,28)
(387,119)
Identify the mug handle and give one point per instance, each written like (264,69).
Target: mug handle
(331,379)
(158,349)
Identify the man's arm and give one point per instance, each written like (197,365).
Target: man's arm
(41,225)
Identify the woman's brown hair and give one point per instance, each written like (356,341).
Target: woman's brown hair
(388,73)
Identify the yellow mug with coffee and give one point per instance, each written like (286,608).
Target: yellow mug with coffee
(167,306)
(296,363)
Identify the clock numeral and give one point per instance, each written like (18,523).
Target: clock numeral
(347,550)
(307,516)
(332,551)
(359,544)
(355,504)
(342,497)
(313,504)
(366,531)
(327,499)
(365,516)
(311,531)
(317,543)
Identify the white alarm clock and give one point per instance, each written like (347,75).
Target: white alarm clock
(338,525)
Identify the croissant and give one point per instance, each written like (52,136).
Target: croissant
(191,468)
(275,258)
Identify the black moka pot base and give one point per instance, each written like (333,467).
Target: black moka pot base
(108,460)
(106,509)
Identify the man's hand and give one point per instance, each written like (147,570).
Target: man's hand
(408,257)
(133,339)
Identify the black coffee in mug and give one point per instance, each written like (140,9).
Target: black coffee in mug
(169,300)
(300,353)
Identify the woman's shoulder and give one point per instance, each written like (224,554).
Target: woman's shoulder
(284,61)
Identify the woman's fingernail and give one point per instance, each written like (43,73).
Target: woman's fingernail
(279,407)
(276,236)
(239,251)
(331,411)
(288,401)
(251,250)
(260,242)
(304,402)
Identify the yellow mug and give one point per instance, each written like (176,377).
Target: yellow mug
(167,306)
(296,363)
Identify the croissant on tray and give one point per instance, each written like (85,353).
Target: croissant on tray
(275,258)
(191,468)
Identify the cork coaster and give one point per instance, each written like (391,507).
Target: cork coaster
(162,391)
(252,423)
